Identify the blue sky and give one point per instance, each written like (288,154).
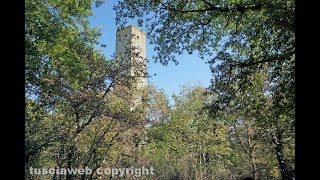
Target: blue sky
(190,70)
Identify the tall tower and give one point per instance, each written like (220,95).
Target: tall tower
(131,54)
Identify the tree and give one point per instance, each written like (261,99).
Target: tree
(237,38)
(158,106)
(248,116)
(189,144)
(77,101)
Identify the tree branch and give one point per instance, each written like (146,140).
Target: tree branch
(251,62)
(95,111)
(212,7)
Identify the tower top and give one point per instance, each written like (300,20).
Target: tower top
(131,27)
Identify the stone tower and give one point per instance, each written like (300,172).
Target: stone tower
(131,53)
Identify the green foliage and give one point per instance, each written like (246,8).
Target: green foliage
(189,144)
(75,115)
(206,26)
(78,109)
(249,46)
(158,106)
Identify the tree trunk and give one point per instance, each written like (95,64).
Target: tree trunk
(284,169)
(252,157)
(254,169)
(254,165)
(70,161)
